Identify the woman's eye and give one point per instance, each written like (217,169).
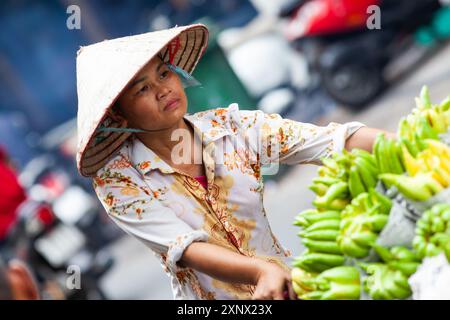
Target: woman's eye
(143,89)
(164,74)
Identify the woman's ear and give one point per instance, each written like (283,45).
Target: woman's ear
(116,114)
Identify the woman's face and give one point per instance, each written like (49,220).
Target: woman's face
(155,98)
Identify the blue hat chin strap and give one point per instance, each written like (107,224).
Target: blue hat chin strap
(110,129)
(186,79)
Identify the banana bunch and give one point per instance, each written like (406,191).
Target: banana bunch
(334,198)
(299,286)
(343,177)
(419,188)
(339,283)
(428,171)
(388,154)
(331,187)
(363,172)
(435,159)
(433,231)
(385,283)
(318,234)
(389,279)
(399,258)
(361,221)
(426,121)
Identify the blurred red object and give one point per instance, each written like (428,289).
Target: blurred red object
(45,215)
(11,195)
(319,17)
(54,183)
(2,154)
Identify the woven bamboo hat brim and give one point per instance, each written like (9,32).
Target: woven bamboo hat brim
(104,70)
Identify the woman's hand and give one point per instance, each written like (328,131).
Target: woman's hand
(272,282)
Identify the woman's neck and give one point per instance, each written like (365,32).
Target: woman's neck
(161,142)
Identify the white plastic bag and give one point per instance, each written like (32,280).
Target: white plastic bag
(400,228)
(432,279)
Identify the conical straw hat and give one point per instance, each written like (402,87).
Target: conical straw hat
(104,70)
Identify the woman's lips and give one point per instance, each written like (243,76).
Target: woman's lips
(172,104)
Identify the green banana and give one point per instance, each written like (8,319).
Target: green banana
(313,218)
(355,184)
(326,181)
(405,267)
(404,130)
(425,102)
(326,235)
(425,131)
(410,146)
(367,157)
(336,191)
(331,163)
(334,284)
(376,222)
(394,161)
(384,283)
(403,254)
(326,172)
(381,154)
(336,204)
(351,248)
(309,217)
(368,178)
(398,258)
(415,188)
(318,262)
(322,246)
(378,198)
(364,239)
(432,231)
(445,104)
(329,224)
(318,188)
(384,253)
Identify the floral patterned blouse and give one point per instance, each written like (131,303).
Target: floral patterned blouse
(167,210)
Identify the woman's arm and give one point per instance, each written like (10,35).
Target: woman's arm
(364,138)
(270,279)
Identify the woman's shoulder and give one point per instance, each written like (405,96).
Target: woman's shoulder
(214,113)
(119,161)
(226,117)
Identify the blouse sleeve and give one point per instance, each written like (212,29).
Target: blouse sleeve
(293,142)
(130,204)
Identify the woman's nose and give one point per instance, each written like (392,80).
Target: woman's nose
(162,91)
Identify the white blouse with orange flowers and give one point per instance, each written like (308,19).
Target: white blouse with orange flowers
(167,210)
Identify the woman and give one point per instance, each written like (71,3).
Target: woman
(190,186)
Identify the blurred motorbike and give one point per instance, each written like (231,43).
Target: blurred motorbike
(351,61)
(59,230)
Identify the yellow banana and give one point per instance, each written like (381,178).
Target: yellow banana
(438,147)
(437,174)
(437,121)
(411,164)
(423,161)
(445,164)
(419,104)
(444,177)
(446,115)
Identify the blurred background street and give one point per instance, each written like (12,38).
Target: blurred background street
(267,59)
